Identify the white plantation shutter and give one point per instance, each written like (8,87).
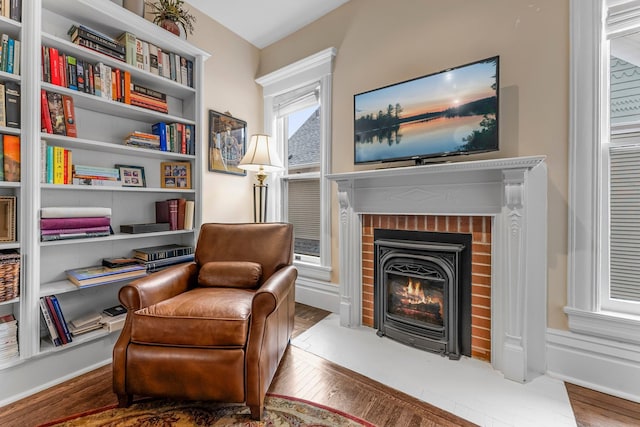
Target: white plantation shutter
(304,208)
(625,222)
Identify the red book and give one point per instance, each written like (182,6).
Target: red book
(46,114)
(183,136)
(69,116)
(173,214)
(78,222)
(62,69)
(54,68)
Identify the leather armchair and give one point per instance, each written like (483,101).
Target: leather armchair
(215,329)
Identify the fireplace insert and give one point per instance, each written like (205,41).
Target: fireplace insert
(422,289)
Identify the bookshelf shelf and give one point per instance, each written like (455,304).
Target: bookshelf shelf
(10,363)
(7,184)
(48,347)
(8,76)
(113,237)
(11,131)
(64,286)
(11,301)
(68,187)
(145,78)
(109,147)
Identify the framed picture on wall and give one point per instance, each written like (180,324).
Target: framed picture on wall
(227,143)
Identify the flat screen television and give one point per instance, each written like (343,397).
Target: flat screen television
(452,112)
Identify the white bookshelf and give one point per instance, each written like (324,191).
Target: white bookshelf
(102,125)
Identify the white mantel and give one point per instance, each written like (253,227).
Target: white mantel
(514,192)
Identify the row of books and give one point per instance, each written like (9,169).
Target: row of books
(179,213)
(8,338)
(11,9)
(60,223)
(10,104)
(9,158)
(57,164)
(156,258)
(57,114)
(9,54)
(146,56)
(94,40)
(176,137)
(54,320)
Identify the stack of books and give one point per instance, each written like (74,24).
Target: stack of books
(95,175)
(148,98)
(155,258)
(94,40)
(59,223)
(143,140)
(96,275)
(8,337)
(57,327)
(84,324)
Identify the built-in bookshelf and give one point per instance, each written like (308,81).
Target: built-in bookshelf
(102,125)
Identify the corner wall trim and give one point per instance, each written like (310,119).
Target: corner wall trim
(318,294)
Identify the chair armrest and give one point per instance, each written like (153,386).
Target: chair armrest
(274,291)
(158,286)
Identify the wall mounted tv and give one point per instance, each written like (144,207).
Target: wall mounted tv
(452,112)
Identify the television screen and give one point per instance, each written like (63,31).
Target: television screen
(451,112)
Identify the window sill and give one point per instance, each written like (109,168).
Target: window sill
(617,326)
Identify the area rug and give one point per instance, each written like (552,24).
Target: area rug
(280,411)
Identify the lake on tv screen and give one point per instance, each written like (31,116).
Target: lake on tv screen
(440,135)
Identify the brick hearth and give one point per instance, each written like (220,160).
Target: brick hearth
(479,227)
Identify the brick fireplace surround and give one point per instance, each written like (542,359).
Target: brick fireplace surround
(480,229)
(503,202)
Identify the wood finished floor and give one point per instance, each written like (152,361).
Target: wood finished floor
(309,377)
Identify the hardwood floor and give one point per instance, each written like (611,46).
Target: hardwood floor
(309,377)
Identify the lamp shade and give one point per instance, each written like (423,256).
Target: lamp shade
(261,155)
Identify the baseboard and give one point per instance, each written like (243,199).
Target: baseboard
(596,363)
(318,294)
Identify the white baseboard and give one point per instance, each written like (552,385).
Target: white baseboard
(600,364)
(318,294)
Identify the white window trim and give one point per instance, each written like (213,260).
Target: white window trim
(315,68)
(587,128)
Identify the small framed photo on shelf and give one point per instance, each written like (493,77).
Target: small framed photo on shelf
(227,143)
(7,218)
(132,176)
(175,175)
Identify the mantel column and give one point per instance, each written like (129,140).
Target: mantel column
(350,258)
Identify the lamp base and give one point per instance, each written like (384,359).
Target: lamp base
(260,202)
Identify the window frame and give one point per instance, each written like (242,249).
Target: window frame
(315,68)
(587,264)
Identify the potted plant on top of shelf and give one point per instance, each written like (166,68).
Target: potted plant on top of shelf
(171,13)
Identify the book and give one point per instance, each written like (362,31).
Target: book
(189,212)
(97,182)
(139,55)
(181,212)
(153,266)
(45,116)
(58,223)
(76,32)
(87,319)
(144,228)
(54,66)
(73,212)
(111,278)
(3,112)
(58,165)
(114,323)
(11,157)
(48,320)
(154,253)
(60,315)
(16,61)
(58,319)
(116,310)
(73,235)
(69,116)
(95,271)
(119,262)
(56,111)
(162,211)
(101,228)
(12,104)
(153,59)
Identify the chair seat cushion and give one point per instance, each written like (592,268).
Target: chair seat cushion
(230,274)
(201,317)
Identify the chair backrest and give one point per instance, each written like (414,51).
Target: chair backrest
(269,244)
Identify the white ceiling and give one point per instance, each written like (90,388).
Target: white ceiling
(262,22)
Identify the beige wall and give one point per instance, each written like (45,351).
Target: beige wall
(381,42)
(229,87)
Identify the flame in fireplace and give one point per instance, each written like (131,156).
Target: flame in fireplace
(414,294)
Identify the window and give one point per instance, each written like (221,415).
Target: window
(604,170)
(297,106)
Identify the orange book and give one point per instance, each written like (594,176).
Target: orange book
(126,87)
(69,116)
(11,151)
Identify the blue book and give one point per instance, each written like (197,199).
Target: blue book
(49,164)
(160,129)
(10,46)
(58,309)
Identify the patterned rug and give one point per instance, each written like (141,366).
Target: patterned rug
(280,411)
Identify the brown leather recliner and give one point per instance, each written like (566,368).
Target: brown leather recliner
(215,329)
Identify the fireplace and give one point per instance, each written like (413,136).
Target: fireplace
(422,289)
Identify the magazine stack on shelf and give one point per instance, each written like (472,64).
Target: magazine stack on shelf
(143,140)
(95,175)
(96,275)
(8,337)
(60,223)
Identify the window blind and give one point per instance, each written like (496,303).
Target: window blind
(304,208)
(625,222)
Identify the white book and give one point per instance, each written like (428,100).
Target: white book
(145,56)
(139,54)
(74,212)
(166,65)
(16,56)
(189,211)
